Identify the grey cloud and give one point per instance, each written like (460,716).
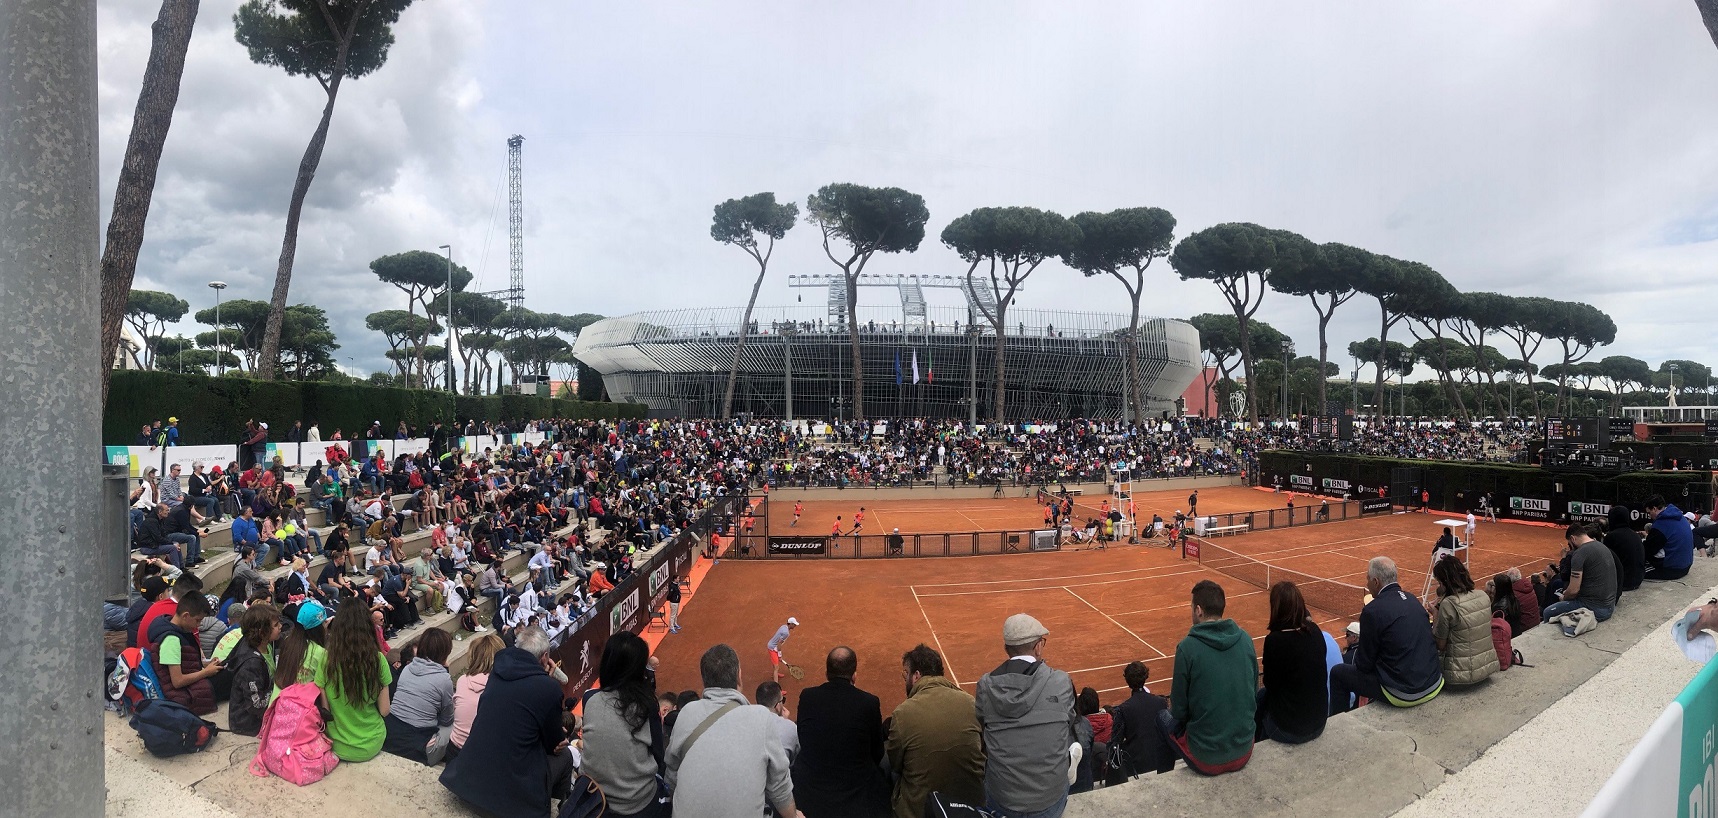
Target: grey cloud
(1543,149)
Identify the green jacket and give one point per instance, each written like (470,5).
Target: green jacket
(1214,689)
(934,744)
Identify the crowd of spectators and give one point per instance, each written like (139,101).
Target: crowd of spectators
(1019,745)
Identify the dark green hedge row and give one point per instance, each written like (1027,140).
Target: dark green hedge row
(1456,485)
(213,411)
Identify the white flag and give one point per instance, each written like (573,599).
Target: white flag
(915,364)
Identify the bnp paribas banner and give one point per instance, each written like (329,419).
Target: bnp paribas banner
(1673,771)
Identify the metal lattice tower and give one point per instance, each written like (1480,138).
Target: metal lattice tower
(515,224)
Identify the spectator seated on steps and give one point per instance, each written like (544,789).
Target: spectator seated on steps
(179,663)
(1461,625)
(1397,658)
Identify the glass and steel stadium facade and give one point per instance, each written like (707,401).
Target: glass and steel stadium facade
(798,364)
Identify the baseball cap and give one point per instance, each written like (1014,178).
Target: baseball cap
(1353,628)
(152,587)
(264,425)
(1022,629)
(793,622)
(311,614)
(172,420)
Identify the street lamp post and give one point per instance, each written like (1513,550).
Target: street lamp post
(449,249)
(220,337)
(1288,349)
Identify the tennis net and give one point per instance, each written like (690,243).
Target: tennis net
(1328,595)
(1083,510)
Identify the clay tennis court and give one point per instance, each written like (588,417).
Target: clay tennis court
(1012,513)
(1103,608)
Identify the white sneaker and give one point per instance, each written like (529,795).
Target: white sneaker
(481,629)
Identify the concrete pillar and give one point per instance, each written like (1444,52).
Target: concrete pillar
(50,412)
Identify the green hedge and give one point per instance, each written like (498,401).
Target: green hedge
(213,411)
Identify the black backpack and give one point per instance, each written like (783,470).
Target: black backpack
(168,728)
(586,800)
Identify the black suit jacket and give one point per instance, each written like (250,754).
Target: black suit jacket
(837,773)
(1137,732)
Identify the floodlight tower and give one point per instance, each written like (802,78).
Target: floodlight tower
(515,224)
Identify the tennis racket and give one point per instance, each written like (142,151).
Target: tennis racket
(796,672)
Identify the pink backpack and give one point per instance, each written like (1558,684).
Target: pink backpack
(292,743)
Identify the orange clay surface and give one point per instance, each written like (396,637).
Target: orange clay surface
(933,515)
(1103,608)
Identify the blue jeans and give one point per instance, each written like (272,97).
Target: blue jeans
(1557,609)
(136,520)
(247,496)
(1052,811)
(208,506)
(113,616)
(190,544)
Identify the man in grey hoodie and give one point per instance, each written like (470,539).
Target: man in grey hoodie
(1026,709)
(735,765)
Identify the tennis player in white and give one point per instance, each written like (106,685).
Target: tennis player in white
(1472,523)
(780,638)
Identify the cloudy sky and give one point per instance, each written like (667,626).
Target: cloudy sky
(1533,147)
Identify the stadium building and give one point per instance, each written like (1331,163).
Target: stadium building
(918,360)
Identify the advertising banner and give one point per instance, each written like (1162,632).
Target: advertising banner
(799,545)
(627,607)
(138,458)
(1582,512)
(1374,505)
(1530,508)
(1300,482)
(1335,487)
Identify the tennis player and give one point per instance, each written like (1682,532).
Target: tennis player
(835,530)
(780,638)
(798,509)
(858,521)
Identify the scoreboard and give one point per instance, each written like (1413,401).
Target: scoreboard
(1577,431)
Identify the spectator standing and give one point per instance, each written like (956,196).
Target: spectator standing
(1461,625)
(934,742)
(1295,698)
(673,603)
(1396,659)
(837,772)
(725,758)
(623,737)
(1669,545)
(1592,576)
(1026,710)
(1212,698)
(1144,747)
(420,712)
(515,758)
(354,681)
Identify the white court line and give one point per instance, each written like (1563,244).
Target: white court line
(1183,605)
(1160,654)
(947,666)
(1046,579)
(1194,570)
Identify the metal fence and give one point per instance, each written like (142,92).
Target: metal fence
(1301,514)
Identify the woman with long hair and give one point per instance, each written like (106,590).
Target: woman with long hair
(302,648)
(354,684)
(479,660)
(1461,625)
(623,730)
(1505,604)
(1295,699)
